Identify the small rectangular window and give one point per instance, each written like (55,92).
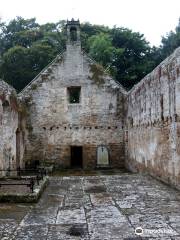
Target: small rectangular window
(74,94)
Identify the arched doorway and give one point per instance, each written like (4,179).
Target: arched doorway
(102,156)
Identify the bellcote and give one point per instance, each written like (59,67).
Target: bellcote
(73,32)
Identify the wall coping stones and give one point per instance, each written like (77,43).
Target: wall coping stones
(165,67)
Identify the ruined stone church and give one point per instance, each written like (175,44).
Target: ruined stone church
(73,114)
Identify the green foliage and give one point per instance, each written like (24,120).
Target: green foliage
(26,47)
(101,49)
(20,65)
(124,53)
(170,42)
(18,32)
(15,67)
(88,30)
(133,63)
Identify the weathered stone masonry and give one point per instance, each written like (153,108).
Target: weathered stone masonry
(11,145)
(55,124)
(153,122)
(74,107)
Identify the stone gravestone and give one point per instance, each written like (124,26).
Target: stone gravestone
(102,156)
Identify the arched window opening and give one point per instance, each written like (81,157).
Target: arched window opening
(73,34)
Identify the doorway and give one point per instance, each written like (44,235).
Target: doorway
(76,157)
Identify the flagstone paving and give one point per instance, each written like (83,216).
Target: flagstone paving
(98,207)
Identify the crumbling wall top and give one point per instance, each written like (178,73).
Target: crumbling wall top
(8,93)
(164,68)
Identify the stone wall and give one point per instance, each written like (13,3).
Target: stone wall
(11,152)
(54,124)
(141,126)
(153,122)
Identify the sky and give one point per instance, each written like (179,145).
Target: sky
(153,18)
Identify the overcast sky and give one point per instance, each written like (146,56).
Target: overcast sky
(153,18)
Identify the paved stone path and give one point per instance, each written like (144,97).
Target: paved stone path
(96,207)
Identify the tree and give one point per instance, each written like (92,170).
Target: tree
(40,55)
(15,67)
(20,32)
(126,54)
(135,61)
(170,42)
(88,30)
(20,65)
(26,47)
(54,35)
(101,49)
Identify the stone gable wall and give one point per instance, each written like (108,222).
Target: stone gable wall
(153,122)
(54,125)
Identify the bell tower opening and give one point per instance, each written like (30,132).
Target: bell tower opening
(73,31)
(73,34)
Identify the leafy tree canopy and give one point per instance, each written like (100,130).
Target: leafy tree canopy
(170,42)
(26,47)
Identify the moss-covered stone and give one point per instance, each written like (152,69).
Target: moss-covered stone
(23,110)
(34,86)
(97,72)
(29,127)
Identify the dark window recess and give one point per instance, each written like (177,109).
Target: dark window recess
(5,104)
(74,94)
(73,34)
